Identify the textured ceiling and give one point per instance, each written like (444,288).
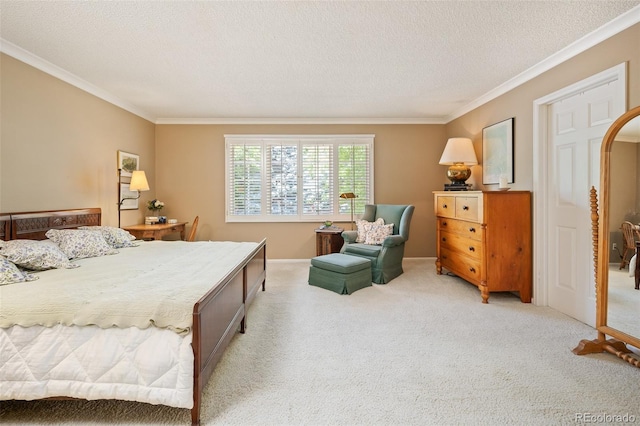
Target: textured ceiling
(346,60)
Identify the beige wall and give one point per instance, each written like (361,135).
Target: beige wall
(58,150)
(58,145)
(518,103)
(190,179)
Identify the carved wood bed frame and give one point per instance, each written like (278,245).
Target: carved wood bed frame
(216,316)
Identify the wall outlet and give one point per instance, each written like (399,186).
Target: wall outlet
(615,246)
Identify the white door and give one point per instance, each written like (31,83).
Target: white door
(577,126)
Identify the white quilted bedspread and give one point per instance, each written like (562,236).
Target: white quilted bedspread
(151,365)
(117,327)
(155,284)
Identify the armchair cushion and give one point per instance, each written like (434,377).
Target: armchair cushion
(364,250)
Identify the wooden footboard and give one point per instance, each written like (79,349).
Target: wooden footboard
(217,316)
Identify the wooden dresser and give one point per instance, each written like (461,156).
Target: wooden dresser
(485,238)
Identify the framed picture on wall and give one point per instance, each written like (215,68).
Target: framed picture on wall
(128,162)
(497,152)
(129,198)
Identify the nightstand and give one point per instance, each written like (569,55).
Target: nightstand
(328,240)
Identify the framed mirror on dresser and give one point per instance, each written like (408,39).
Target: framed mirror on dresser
(617,295)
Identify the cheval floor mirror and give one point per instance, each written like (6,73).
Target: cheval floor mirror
(617,318)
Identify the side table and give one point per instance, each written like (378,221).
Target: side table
(157,231)
(328,240)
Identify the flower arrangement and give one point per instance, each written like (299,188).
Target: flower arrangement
(155,205)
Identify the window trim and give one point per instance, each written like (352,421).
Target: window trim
(263,139)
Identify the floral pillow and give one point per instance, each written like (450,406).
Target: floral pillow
(36,255)
(364,226)
(9,273)
(79,244)
(377,233)
(115,237)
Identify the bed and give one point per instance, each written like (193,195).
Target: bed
(170,351)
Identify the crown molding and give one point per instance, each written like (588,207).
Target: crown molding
(595,37)
(45,66)
(292,120)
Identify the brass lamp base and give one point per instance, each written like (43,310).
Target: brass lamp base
(458,173)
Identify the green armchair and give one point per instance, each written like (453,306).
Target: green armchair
(386,259)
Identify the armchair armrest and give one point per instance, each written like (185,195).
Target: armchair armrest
(349,236)
(393,240)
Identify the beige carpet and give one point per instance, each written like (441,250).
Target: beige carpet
(624,301)
(420,350)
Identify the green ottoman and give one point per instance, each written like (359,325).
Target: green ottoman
(341,273)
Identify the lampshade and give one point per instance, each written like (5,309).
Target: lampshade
(459,150)
(138,181)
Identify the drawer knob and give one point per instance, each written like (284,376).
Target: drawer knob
(444,223)
(444,239)
(472,269)
(444,206)
(472,248)
(472,229)
(465,207)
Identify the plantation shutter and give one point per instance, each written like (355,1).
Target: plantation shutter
(355,174)
(245,178)
(317,179)
(282,178)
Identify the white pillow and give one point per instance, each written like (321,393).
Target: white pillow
(363,228)
(115,237)
(36,255)
(9,273)
(632,266)
(378,233)
(78,244)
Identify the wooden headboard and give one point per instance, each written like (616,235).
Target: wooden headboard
(5,226)
(34,225)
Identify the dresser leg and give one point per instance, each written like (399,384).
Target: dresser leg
(438,266)
(484,292)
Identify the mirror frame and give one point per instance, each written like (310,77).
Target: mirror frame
(602,271)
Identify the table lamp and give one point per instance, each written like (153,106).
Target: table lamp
(458,155)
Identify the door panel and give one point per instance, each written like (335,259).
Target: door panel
(578,124)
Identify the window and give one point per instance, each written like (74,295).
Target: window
(293,178)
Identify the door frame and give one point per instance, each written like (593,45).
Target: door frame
(541,168)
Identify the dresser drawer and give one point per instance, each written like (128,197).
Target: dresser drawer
(460,244)
(467,229)
(463,266)
(445,206)
(467,209)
